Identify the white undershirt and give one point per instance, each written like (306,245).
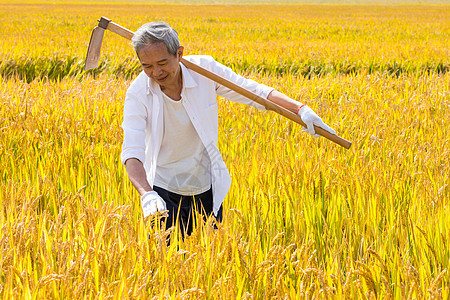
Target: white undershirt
(183,165)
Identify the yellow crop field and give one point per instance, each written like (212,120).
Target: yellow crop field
(304,218)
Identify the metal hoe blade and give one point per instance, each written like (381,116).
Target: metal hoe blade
(93,53)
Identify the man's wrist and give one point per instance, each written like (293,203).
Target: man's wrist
(148,193)
(300,107)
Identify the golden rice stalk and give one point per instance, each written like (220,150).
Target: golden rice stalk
(433,289)
(414,277)
(366,273)
(385,274)
(192,293)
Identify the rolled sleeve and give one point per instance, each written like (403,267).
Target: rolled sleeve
(251,85)
(133,125)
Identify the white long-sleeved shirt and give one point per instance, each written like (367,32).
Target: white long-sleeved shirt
(143,118)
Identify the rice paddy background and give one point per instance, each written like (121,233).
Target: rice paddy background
(304,218)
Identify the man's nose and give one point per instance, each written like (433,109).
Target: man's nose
(157,71)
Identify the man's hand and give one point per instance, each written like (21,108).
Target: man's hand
(310,118)
(151,203)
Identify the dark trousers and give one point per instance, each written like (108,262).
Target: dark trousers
(181,209)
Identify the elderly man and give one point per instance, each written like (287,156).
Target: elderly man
(171,127)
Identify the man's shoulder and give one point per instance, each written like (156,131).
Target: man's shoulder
(202,60)
(139,84)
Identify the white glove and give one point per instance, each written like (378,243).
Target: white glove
(311,118)
(151,202)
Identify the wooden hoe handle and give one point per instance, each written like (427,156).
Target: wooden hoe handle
(266,103)
(128,34)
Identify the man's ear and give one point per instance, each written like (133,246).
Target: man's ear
(180,52)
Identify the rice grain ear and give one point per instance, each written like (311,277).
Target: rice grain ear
(385,274)
(435,283)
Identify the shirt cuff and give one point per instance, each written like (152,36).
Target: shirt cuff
(131,154)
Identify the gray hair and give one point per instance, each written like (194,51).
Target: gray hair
(156,32)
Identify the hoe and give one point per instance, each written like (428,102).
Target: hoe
(93,56)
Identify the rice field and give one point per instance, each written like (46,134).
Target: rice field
(304,218)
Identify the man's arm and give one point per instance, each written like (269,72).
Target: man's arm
(136,174)
(151,202)
(284,101)
(308,116)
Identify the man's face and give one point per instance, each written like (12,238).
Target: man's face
(160,65)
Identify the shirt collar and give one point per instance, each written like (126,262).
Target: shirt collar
(188,81)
